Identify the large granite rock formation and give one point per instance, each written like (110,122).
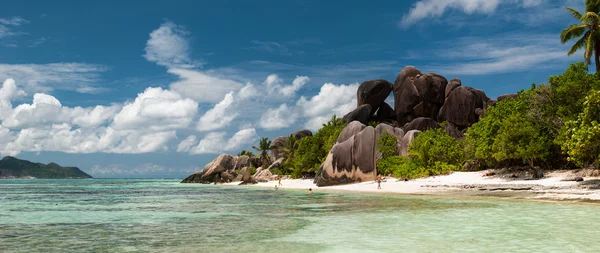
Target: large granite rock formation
(361,114)
(222,167)
(422,124)
(352,160)
(406,140)
(418,95)
(386,114)
(350,130)
(461,106)
(373,92)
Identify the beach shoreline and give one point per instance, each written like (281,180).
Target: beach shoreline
(552,187)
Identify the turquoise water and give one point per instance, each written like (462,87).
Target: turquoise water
(119,215)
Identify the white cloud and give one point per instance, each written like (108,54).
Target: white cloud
(278,118)
(202,87)
(46,109)
(7,25)
(248,91)
(502,54)
(424,9)
(331,99)
(241,138)
(9,90)
(187,144)
(214,143)
(219,116)
(157,109)
(168,46)
(79,77)
(274,86)
(63,138)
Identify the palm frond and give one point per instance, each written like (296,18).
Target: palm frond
(573,31)
(589,49)
(575,13)
(580,43)
(590,18)
(592,6)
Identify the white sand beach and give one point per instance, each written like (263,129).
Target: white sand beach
(475,183)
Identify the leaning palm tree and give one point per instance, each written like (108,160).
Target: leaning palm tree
(246,152)
(587,32)
(264,145)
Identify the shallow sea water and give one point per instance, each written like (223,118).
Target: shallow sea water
(132,215)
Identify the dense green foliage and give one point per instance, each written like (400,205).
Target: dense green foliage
(387,145)
(581,137)
(432,153)
(13,167)
(532,126)
(435,146)
(309,152)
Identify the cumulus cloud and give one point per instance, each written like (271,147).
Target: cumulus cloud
(278,118)
(331,99)
(169,46)
(214,143)
(248,91)
(157,109)
(435,8)
(275,87)
(202,87)
(187,144)
(219,116)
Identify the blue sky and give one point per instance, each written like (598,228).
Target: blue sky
(122,89)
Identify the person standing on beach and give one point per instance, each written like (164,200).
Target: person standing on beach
(279,181)
(379,182)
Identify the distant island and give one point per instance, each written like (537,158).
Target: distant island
(11,167)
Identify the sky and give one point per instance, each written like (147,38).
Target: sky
(158,90)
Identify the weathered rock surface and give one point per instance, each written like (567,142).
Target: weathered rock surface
(361,114)
(422,124)
(352,160)
(453,84)
(460,106)
(373,92)
(505,96)
(350,130)
(262,175)
(276,164)
(405,142)
(453,131)
(385,114)
(211,172)
(418,95)
(302,133)
(276,145)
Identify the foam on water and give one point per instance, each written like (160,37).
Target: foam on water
(117,215)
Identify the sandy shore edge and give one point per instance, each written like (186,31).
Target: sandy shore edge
(463,183)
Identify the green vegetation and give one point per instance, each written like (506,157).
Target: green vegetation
(432,153)
(13,167)
(264,145)
(305,156)
(580,138)
(245,152)
(586,32)
(387,145)
(433,148)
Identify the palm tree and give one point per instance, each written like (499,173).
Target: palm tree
(588,32)
(288,149)
(246,152)
(264,145)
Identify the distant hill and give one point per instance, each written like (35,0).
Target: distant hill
(11,167)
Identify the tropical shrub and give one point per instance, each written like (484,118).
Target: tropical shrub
(580,138)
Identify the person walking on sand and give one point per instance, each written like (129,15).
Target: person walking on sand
(279,181)
(379,182)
